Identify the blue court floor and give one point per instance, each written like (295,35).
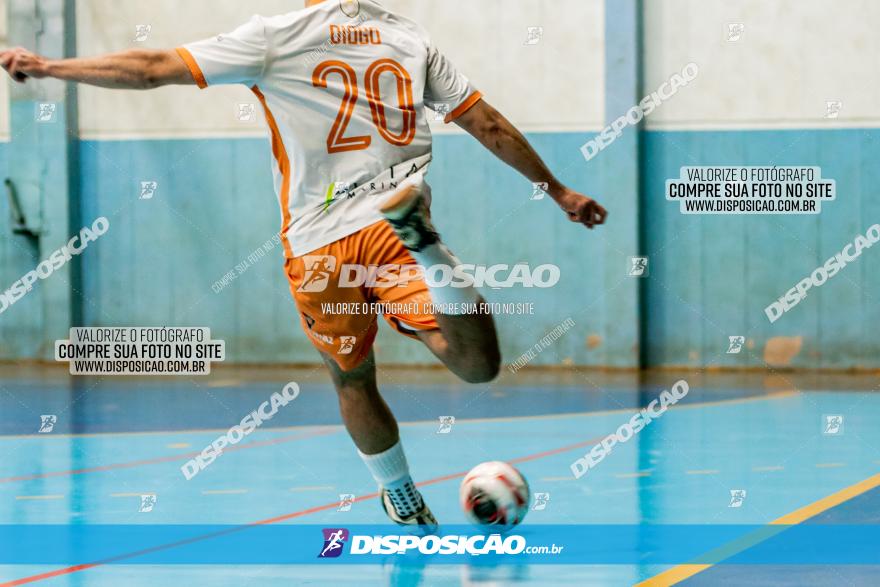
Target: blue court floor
(775,441)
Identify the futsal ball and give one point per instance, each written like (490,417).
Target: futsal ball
(495,494)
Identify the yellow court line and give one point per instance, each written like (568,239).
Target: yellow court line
(829,465)
(766,469)
(35,497)
(681,572)
(703,472)
(631,475)
(223,491)
(568,478)
(132,494)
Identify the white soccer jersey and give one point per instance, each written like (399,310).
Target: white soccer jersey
(345,100)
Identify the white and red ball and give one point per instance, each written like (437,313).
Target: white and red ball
(495,494)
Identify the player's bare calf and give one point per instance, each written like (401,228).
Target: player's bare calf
(467,343)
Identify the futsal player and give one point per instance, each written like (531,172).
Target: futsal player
(344,86)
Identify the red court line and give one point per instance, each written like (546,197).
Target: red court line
(275,520)
(169,458)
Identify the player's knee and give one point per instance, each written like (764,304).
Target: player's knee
(484,375)
(483,370)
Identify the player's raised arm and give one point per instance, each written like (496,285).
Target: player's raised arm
(136,69)
(498,135)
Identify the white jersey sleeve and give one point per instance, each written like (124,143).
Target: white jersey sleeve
(446,89)
(238,57)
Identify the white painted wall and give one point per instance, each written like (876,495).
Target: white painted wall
(109,25)
(555,85)
(794,55)
(558,84)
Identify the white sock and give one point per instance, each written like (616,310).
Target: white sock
(391,471)
(451,299)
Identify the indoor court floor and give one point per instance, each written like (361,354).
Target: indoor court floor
(117,440)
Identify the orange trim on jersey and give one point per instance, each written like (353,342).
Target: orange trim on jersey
(280,154)
(464,107)
(193,66)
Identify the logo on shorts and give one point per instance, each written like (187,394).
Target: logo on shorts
(319,268)
(334,540)
(310,322)
(346,344)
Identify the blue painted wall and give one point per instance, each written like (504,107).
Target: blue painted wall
(215,205)
(712,276)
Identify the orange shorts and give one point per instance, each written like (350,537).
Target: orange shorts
(341,288)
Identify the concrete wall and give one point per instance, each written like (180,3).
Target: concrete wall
(758,101)
(215,203)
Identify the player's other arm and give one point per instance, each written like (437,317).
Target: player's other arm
(498,135)
(136,69)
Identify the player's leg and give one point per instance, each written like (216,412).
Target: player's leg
(374,430)
(466,341)
(366,416)
(345,342)
(466,344)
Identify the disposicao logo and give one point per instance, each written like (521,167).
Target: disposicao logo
(334,541)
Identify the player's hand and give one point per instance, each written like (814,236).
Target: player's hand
(21,64)
(582,209)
